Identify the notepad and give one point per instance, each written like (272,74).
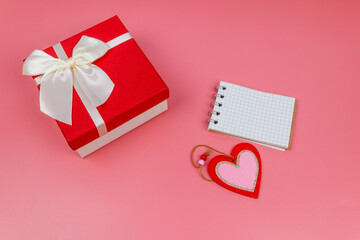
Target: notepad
(252,115)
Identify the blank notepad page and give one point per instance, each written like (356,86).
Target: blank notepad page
(253,115)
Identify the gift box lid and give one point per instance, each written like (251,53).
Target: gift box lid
(138,87)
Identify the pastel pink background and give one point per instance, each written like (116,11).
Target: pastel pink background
(143,186)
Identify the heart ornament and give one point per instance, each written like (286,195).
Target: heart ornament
(241,173)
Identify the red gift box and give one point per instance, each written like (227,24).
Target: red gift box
(139,93)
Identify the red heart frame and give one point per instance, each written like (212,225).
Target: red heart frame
(234,153)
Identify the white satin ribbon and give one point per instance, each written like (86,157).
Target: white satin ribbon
(58,76)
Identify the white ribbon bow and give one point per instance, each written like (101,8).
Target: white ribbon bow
(58,76)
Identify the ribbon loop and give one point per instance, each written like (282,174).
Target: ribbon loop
(89,49)
(39,63)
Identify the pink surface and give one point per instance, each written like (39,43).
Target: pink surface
(143,186)
(243,175)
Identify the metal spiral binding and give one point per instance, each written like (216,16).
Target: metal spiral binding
(211,112)
(219,95)
(218,86)
(215,95)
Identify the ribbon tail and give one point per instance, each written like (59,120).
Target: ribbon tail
(95,83)
(56,95)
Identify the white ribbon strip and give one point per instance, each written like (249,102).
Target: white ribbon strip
(90,82)
(119,40)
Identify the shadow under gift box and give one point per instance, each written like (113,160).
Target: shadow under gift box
(138,96)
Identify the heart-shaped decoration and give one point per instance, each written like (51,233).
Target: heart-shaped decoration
(241,174)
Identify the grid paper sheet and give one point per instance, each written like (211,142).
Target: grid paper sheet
(253,115)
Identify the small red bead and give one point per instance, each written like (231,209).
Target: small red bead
(203,157)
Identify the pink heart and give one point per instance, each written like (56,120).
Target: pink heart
(243,174)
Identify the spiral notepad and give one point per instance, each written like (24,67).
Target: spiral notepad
(253,115)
